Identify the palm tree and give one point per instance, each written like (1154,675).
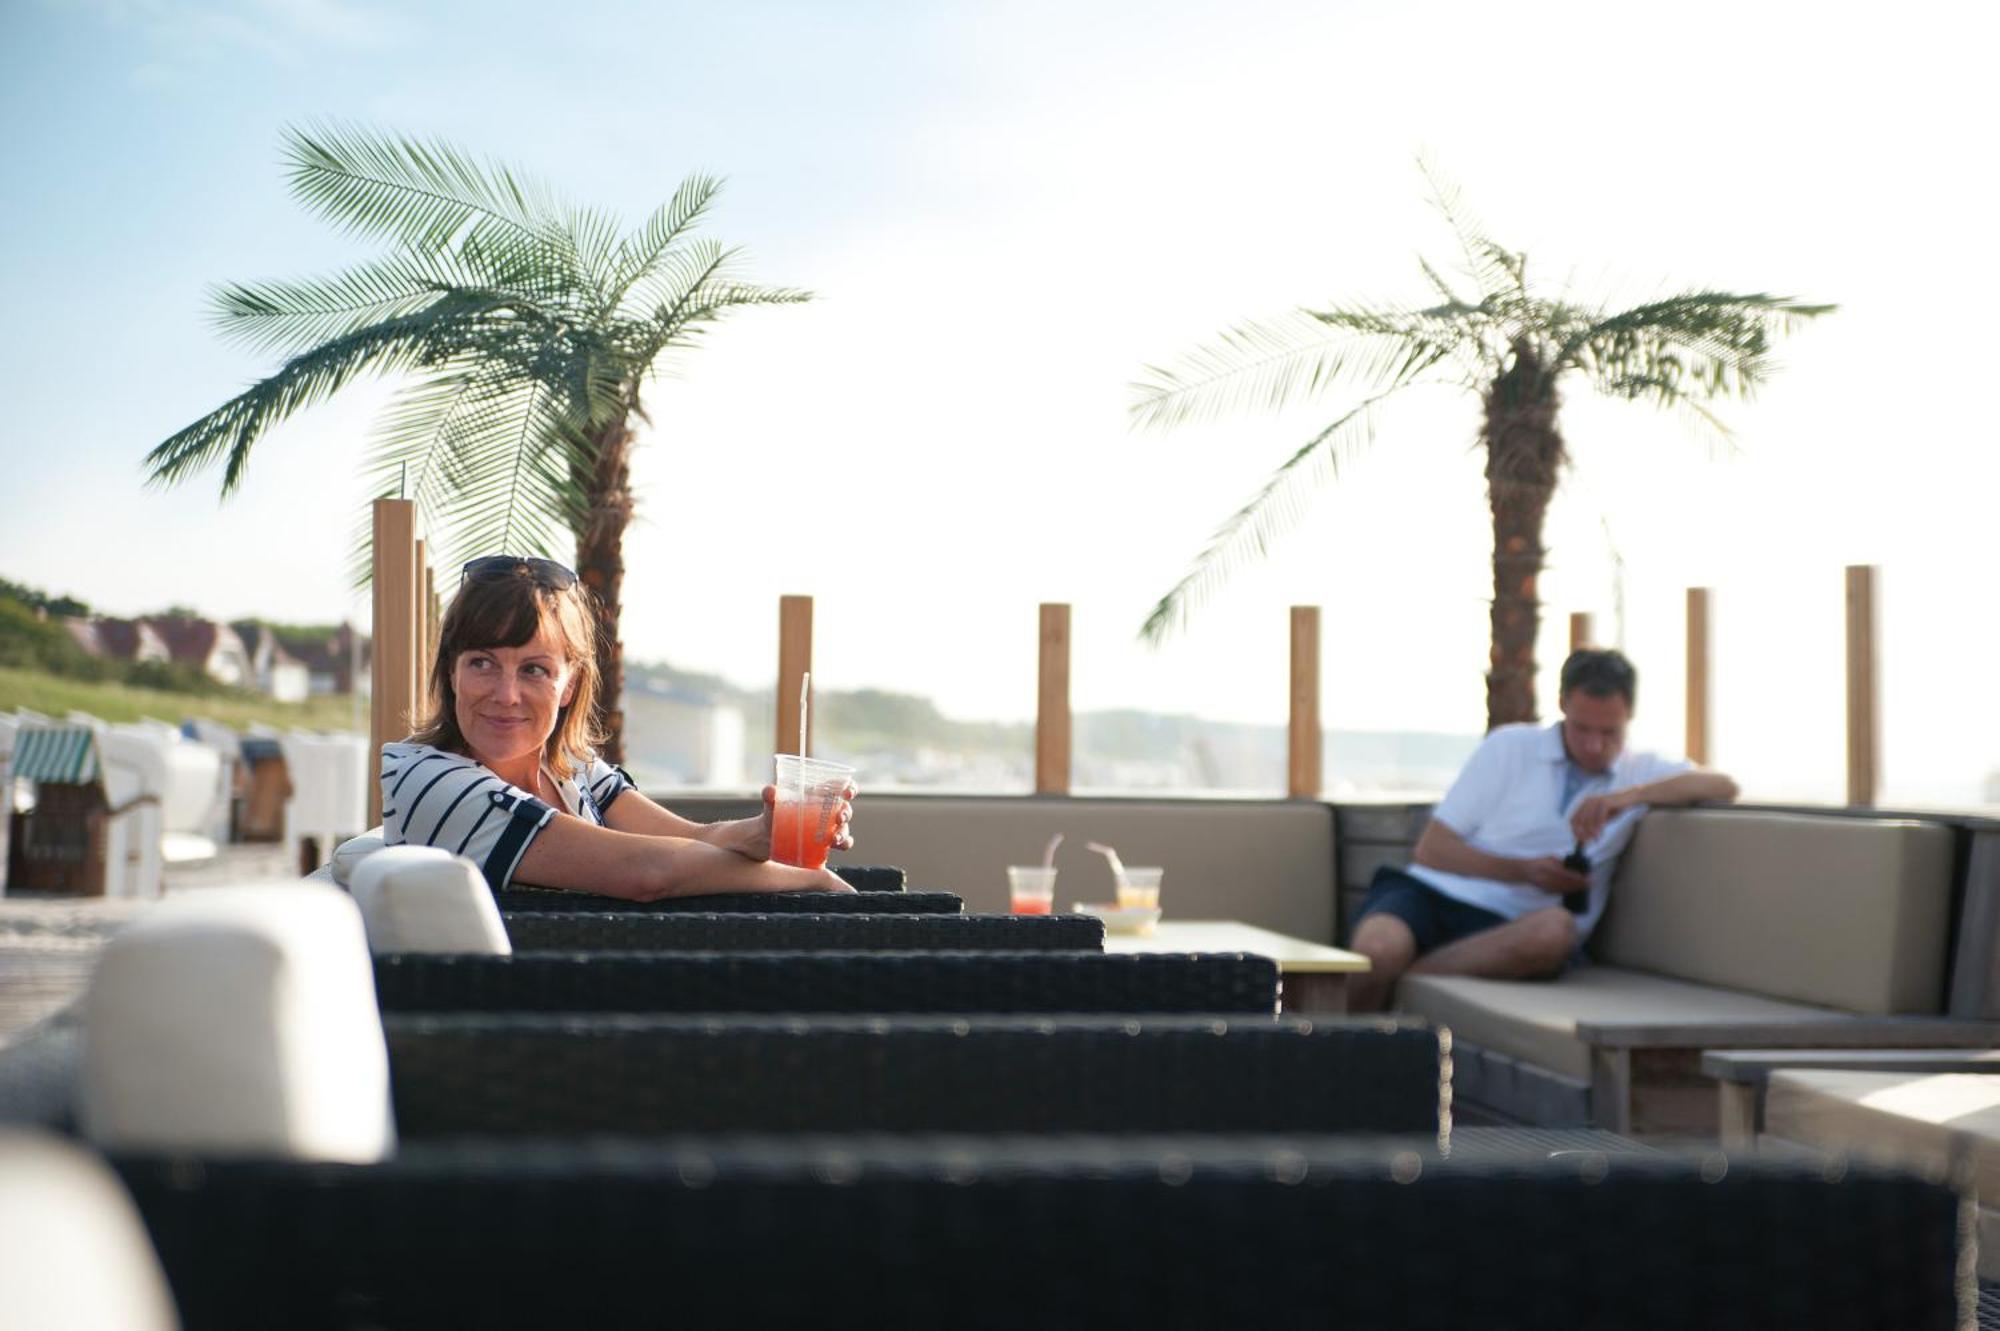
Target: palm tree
(1508,343)
(523,330)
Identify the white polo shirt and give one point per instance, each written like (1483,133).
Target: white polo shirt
(1509,801)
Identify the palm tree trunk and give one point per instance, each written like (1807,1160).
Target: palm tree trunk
(600,562)
(1524,456)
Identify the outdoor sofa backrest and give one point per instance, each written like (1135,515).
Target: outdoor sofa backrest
(1267,862)
(1845,912)
(799,931)
(986,1233)
(877,982)
(518,1074)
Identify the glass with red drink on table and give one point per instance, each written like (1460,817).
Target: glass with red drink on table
(1031,889)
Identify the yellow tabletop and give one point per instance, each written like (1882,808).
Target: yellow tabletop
(1295,956)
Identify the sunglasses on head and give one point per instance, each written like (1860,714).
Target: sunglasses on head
(545,571)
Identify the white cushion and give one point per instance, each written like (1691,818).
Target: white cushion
(239,1021)
(73,1252)
(424,899)
(354,850)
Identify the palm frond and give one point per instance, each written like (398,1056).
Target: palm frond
(1711,429)
(1392,345)
(229,432)
(674,284)
(1264,365)
(1443,288)
(415,192)
(429,423)
(639,252)
(510,481)
(293,315)
(1274,510)
(1715,342)
(593,238)
(1493,267)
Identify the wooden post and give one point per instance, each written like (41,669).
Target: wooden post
(395,663)
(420,593)
(433,619)
(1699,689)
(1052,721)
(1864,720)
(795,661)
(1302,781)
(1581,634)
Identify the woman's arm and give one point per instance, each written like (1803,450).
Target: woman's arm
(633,812)
(748,837)
(571,853)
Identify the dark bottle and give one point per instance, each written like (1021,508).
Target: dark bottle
(1576,903)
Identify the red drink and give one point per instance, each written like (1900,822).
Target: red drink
(801,834)
(1032,905)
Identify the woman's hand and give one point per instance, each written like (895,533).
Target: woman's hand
(751,837)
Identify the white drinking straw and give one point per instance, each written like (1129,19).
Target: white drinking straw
(1049,855)
(805,694)
(1117,865)
(799,798)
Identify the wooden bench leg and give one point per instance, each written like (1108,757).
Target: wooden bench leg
(1313,991)
(1736,1106)
(1611,1089)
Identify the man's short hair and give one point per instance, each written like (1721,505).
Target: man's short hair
(1602,673)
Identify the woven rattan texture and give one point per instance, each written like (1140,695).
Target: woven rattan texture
(725,931)
(553,1075)
(515,899)
(828,982)
(1161,1234)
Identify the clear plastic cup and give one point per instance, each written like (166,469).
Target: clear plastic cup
(1141,887)
(1031,889)
(808,808)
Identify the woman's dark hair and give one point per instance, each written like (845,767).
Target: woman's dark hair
(1602,674)
(505,611)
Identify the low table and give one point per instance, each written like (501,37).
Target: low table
(1313,975)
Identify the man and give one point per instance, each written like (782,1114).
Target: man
(1485,894)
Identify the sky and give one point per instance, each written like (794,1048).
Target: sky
(1006,212)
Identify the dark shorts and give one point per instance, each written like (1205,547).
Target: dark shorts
(1434,918)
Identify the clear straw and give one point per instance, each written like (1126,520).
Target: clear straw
(1117,865)
(799,800)
(1049,855)
(805,696)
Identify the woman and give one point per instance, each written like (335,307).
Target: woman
(505,772)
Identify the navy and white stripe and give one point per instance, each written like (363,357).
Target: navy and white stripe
(434,798)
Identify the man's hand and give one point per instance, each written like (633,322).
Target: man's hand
(1590,815)
(1548,874)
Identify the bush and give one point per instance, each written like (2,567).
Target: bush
(26,640)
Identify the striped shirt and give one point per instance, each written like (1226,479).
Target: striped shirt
(434,798)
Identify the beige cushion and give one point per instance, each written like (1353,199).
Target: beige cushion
(1934,1124)
(1850,913)
(74,1255)
(1265,863)
(425,899)
(352,851)
(239,1021)
(1535,1021)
